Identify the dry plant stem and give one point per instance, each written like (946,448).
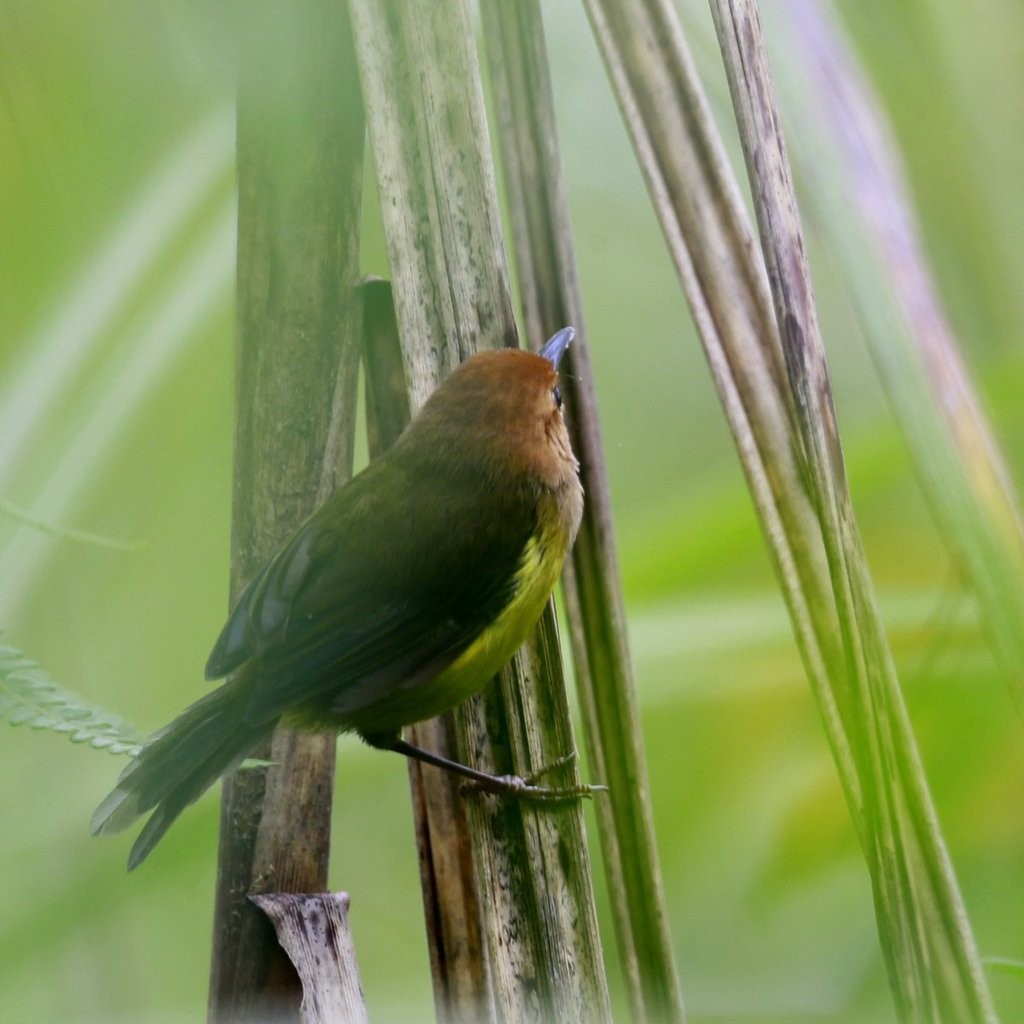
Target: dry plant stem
(314,931)
(698,203)
(913,343)
(300,132)
(437,186)
(428,135)
(451,906)
(549,286)
(934,968)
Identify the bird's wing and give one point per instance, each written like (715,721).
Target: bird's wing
(263,616)
(381,581)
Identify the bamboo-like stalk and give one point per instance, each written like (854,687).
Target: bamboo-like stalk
(300,133)
(428,136)
(698,203)
(549,285)
(934,968)
(775,390)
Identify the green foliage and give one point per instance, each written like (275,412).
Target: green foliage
(28,696)
(770,905)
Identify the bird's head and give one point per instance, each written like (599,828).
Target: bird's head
(502,410)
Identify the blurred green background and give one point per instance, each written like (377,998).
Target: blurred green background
(116,275)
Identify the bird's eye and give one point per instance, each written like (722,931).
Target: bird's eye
(558,396)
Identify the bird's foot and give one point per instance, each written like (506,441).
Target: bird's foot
(502,785)
(525,787)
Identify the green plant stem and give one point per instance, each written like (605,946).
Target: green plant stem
(861,199)
(934,968)
(776,396)
(428,137)
(300,133)
(549,285)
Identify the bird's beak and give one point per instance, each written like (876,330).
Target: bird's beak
(556,345)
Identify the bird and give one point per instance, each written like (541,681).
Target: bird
(398,598)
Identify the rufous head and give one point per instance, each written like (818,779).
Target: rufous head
(503,409)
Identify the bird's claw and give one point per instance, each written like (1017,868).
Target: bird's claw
(560,762)
(526,788)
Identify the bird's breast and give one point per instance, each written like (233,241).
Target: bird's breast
(539,567)
(538,573)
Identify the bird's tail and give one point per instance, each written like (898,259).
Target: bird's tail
(178,764)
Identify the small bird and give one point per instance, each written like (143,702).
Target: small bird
(401,596)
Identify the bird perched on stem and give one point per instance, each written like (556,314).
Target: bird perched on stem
(398,598)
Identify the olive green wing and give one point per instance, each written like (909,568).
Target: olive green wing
(386,581)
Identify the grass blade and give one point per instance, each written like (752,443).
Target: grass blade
(776,395)
(934,968)
(860,199)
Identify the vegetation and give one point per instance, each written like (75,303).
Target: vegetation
(115,416)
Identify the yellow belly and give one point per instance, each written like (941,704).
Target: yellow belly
(485,656)
(494,647)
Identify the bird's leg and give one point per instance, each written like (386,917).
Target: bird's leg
(503,785)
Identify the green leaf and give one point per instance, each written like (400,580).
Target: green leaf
(28,696)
